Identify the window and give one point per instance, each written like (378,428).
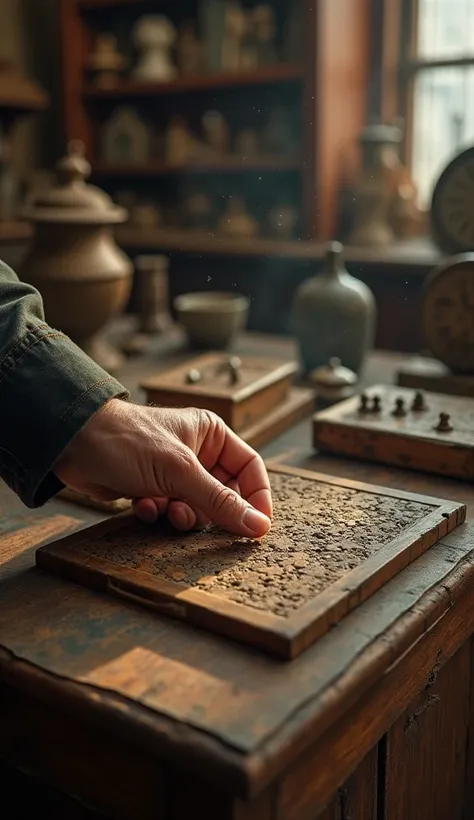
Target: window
(440,65)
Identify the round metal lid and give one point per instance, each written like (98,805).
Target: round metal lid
(333,374)
(73,200)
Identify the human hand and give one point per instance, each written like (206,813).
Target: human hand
(183,463)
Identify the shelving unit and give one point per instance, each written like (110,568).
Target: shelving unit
(326,93)
(208,82)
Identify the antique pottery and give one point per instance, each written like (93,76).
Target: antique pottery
(334,316)
(211,319)
(82,275)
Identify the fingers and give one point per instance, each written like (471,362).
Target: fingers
(149,510)
(221,504)
(239,461)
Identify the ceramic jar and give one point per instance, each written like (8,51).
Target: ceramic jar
(333,316)
(373,196)
(74,261)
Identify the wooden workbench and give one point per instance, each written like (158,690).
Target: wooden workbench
(142,717)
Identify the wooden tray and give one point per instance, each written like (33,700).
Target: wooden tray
(263,385)
(334,542)
(429,374)
(82,500)
(410,441)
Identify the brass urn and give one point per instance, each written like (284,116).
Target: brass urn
(74,261)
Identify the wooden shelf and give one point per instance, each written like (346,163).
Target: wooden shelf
(416,253)
(102,4)
(263,76)
(227,165)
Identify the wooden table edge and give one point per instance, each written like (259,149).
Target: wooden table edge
(199,751)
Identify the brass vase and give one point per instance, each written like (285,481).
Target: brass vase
(74,261)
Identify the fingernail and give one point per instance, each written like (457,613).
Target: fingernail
(256,522)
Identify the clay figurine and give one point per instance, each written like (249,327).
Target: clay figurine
(198,211)
(125,138)
(189,52)
(282,220)
(106,62)
(246,144)
(235,29)
(216,132)
(265,34)
(236,222)
(178,142)
(154,36)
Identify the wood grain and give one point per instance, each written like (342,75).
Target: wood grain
(79,759)
(429,374)
(286,637)
(229,165)
(95,657)
(410,441)
(311,781)
(427,747)
(206,82)
(263,385)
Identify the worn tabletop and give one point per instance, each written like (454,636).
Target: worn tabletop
(206,701)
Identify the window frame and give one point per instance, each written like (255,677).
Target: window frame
(400,21)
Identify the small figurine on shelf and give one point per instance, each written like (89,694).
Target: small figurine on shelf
(278,136)
(146,216)
(189,52)
(265,34)
(216,132)
(246,144)
(282,221)
(235,29)
(155,37)
(125,138)
(105,62)
(236,222)
(198,211)
(178,142)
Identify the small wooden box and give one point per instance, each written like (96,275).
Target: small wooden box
(258,407)
(429,374)
(334,542)
(410,441)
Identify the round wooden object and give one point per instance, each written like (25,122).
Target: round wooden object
(452,206)
(448,313)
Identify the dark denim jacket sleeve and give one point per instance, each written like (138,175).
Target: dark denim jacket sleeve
(49,389)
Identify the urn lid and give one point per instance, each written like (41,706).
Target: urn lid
(333,375)
(72,200)
(381,133)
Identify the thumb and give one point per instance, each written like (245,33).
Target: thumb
(222,505)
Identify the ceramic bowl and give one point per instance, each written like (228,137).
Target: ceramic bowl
(211,320)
